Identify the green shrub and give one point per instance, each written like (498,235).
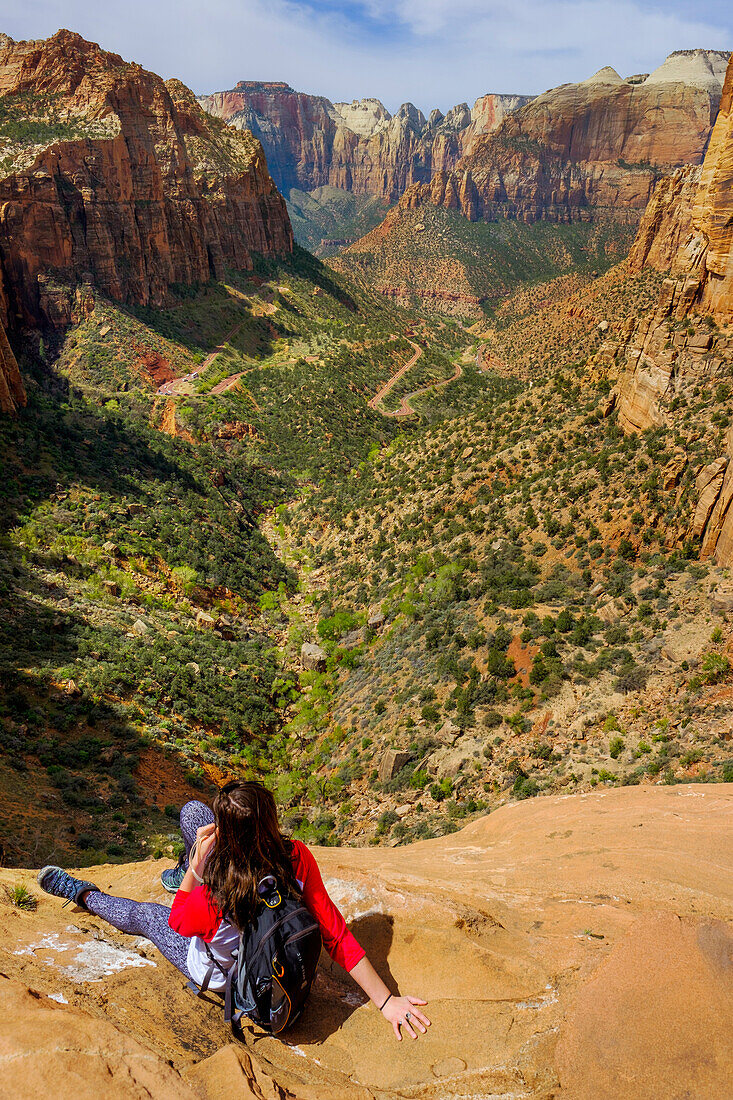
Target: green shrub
(20,897)
(442,790)
(615,747)
(714,667)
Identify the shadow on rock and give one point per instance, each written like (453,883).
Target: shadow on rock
(335,995)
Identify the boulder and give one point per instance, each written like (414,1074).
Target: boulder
(722,602)
(204,621)
(449,760)
(612,611)
(139,627)
(392,762)
(682,645)
(673,471)
(226,626)
(376,618)
(312,657)
(449,731)
(638,585)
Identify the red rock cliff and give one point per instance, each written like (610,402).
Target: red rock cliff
(598,146)
(119,179)
(12,393)
(687,230)
(359,146)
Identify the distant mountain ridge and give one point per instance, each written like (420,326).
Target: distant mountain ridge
(360,147)
(581,149)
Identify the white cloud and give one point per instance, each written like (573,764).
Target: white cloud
(433,52)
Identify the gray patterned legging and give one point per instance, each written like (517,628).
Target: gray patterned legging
(147,918)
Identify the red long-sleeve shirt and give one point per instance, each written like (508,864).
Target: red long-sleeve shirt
(194,913)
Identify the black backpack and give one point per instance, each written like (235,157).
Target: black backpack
(275,963)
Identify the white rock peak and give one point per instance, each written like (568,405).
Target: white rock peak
(698,68)
(606,75)
(363,116)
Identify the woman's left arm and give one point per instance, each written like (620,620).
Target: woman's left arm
(344,949)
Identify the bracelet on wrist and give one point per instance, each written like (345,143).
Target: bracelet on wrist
(388,997)
(195,874)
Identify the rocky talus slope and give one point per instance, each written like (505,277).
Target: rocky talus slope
(581,149)
(568,947)
(110,176)
(359,146)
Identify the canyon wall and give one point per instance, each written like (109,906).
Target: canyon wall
(12,391)
(687,231)
(111,177)
(598,147)
(359,146)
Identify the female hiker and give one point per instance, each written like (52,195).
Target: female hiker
(228,853)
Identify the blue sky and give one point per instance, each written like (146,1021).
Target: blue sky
(432,52)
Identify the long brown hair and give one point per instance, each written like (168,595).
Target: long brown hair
(249,846)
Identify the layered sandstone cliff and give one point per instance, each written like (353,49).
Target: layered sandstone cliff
(116,179)
(311,142)
(687,231)
(583,149)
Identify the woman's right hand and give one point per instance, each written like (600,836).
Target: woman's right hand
(205,841)
(204,831)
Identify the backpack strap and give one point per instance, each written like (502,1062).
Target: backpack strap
(214,964)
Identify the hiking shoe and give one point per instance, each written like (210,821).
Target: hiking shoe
(172,878)
(56,881)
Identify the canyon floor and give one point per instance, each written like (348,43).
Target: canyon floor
(570,947)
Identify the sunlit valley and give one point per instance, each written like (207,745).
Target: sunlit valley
(387,459)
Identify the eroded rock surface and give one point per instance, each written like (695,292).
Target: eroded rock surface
(687,230)
(581,149)
(12,391)
(542,936)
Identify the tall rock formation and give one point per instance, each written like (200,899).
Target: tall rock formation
(311,142)
(583,149)
(687,231)
(112,177)
(12,392)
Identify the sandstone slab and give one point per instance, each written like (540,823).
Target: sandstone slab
(502,927)
(656,1018)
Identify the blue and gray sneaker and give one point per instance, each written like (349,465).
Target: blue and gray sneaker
(56,881)
(172,877)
